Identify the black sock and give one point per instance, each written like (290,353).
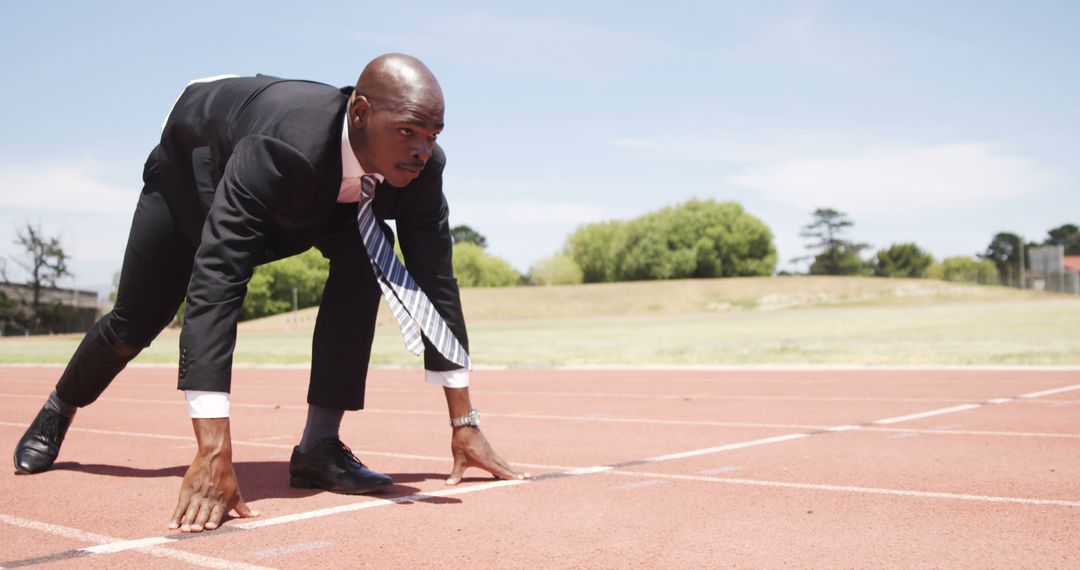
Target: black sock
(321,424)
(55,404)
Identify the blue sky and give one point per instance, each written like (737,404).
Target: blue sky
(939,123)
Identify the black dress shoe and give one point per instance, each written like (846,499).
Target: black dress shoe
(331,465)
(39,446)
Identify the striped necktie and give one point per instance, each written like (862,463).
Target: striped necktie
(411,307)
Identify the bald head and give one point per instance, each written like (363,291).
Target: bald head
(398,78)
(395,114)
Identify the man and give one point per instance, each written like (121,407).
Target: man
(250,170)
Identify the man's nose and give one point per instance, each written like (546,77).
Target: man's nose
(422,151)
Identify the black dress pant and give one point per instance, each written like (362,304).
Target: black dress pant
(345,327)
(154,280)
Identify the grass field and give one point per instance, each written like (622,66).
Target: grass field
(788,320)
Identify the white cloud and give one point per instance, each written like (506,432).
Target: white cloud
(947,177)
(62,186)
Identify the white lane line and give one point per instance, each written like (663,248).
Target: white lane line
(106,544)
(587,470)
(641,484)
(600,395)
(254,443)
(661,367)
(974,432)
(720,470)
(240,442)
(927,414)
(122,545)
(57,530)
(292,549)
(1051,392)
(728,447)
(853,489)
(734,397)
(419,497)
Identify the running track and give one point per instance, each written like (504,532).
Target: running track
(632,469)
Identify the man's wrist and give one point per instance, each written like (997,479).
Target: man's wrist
(470,419)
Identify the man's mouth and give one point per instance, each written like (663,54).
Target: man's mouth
(414,168)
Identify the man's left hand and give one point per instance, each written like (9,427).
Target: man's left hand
(471,449)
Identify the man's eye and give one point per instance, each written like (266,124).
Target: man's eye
(406,132)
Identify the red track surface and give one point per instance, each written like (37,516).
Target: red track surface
(957,469)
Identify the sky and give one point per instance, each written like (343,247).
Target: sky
(938,123)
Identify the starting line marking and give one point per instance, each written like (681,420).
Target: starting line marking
(414,498)
(108,544)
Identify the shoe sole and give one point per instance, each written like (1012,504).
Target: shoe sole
(301,483)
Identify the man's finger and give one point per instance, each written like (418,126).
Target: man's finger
(205,510)
(190,514)
(242,509)
(458,470)
(216,514)
(502,471)
(181,506)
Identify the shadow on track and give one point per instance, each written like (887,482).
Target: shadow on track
(265,479)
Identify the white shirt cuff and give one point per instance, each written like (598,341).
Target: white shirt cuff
(203,404)
(450,379)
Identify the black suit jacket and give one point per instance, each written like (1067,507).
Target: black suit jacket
(251,169)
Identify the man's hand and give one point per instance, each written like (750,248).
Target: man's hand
(471,449)
(209,489)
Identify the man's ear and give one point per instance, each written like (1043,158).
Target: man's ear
(359,111)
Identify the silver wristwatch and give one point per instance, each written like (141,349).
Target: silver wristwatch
(470,419)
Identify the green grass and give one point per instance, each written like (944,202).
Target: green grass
(800,320)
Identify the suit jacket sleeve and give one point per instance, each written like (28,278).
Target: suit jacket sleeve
(424,230)
(262,171)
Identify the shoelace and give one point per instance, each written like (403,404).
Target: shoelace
(50,428)
(349,455)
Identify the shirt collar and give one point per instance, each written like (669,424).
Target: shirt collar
(350,165)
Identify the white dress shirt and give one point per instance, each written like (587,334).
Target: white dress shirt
(205,404)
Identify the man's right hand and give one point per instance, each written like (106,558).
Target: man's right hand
(209,489)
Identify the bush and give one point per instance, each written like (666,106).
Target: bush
(843,260)
(270,290)
(474,268)
(556,270)
(598,249)
(901,260)
(700,238)
(964,269)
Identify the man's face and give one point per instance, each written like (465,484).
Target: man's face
(396,138)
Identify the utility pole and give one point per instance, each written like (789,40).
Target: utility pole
(1023,274)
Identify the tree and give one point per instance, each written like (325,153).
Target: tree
(45,260)
(698,238)
(598,250)
(270,290)
(1067,235)
(556,270)
(836,256)
(1004,252)
(465,234)
(475,268)
(901,260)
